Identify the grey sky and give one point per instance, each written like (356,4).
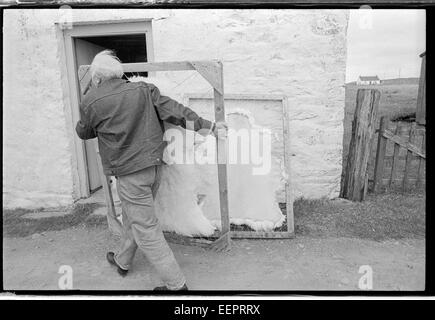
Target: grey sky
(393,42)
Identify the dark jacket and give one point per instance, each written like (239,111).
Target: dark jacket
(127,117)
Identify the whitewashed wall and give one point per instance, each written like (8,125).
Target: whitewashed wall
(297,53)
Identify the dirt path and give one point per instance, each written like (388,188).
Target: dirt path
(32,263)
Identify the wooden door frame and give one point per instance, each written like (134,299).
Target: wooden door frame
(71,86)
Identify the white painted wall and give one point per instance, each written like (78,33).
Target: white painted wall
(298,53)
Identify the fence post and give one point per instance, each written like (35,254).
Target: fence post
(396,155)
(421,161)
(409,155)
(354,183)
(380,155)
(420,115)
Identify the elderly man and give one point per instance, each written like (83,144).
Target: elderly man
(128,120)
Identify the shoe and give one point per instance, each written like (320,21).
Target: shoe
(165,288)
(111,258)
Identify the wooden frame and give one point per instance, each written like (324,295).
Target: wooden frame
(287,157)
(70,80)
(212,71)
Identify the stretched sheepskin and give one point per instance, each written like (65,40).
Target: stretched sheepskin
(187,201)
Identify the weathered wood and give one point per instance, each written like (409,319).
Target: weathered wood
(184,240)
(114,225)
(395,157)
(210,70)
(84,79)
(380,155)
(238,96)
(158,66)
(366,186)
(223,243)
(262,235)
(421,162)
(258,235)
(398,180)
(222,162)
(404,143)
(408,159)
(420,116)
(363,127)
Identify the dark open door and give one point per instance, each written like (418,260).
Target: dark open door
(85,51)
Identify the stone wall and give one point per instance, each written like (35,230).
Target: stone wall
(297,53)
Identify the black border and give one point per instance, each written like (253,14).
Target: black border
(232,4)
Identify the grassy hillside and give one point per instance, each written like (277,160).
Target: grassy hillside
(401,81)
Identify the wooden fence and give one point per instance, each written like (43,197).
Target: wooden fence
(400,161)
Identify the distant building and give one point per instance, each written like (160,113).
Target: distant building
(368,80)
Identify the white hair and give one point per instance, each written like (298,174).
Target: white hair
(105,66)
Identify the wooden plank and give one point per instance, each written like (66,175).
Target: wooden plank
(69,84)
(363,127)
(237,96)
(114,225)
(420,116)
(157,66)
(408,159)
(421,162)
(287,162)
(223,243)
(387,180)
(380,155)
(210,70)
(389,159)
(258,235)
(403,143)
(366,186)
(84,79)
(395,157)
(222,162)
(111,22)
(261,235)
(164,66)
(184,240)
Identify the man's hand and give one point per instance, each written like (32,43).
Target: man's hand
(220,130)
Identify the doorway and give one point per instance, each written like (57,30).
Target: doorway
(129,49)
(131,41)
